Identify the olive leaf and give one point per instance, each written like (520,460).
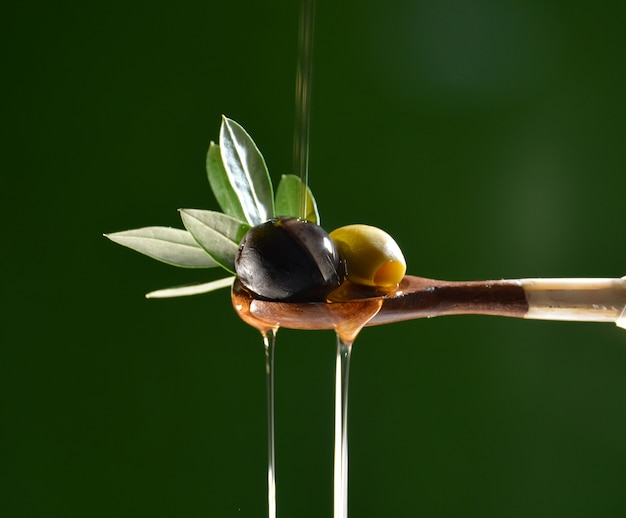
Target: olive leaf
(240,181)
(246,172)
(191,289)
(169,245)
(289,199)
(218,234)
(220,185)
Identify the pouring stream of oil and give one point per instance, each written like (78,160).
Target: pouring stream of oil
(304,72)
(347,323)
(345,333)
(346,326)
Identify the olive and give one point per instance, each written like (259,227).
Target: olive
(288,259)
(371,256)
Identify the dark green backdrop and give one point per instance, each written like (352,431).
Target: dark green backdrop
(488,137)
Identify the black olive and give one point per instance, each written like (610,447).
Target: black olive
(288,259)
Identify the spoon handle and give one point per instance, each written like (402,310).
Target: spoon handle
(590,300)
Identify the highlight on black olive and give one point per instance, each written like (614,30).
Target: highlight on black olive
(288,259)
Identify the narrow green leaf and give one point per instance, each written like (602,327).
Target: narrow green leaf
(289,199)
(191,289)
(169,245)
(217,233)
(220,185)
(247,172)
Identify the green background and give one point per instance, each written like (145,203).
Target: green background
(486,136)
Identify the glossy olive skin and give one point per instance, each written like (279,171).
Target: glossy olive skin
(371,256)
(287,259)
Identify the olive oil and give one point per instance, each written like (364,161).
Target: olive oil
(345,313)
(304,71)
(269,343)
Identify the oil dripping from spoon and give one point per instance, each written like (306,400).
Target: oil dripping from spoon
(347,317)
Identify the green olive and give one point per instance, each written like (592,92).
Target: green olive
(371,256)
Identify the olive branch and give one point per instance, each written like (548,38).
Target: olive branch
(241,184)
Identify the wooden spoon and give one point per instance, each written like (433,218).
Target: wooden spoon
(353,306)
